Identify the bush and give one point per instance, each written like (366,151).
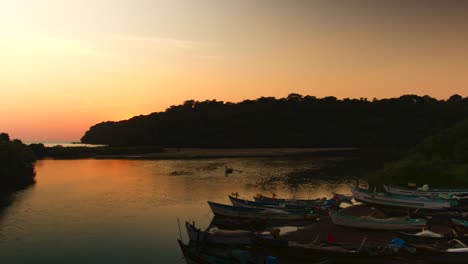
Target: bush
(16,163)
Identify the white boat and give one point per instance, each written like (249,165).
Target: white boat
(369,222)
(402,201)
(219,236)
(425,191)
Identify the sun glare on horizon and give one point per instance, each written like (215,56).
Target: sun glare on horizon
(110,60)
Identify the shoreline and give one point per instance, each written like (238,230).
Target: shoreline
(201,153)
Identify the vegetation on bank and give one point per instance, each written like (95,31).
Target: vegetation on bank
(294,121)
(60,152)
(16,164)
(440,160)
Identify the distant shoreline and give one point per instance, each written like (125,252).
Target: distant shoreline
(200,153)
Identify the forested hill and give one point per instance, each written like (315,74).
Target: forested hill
(440,160)
(294,121)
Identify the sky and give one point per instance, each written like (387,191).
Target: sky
(66,65)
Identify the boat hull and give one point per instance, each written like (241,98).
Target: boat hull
(428,193)
(376,224)
(385,199)
(261,205)
(289,202)
(460,225)
(262,214)
(227,237)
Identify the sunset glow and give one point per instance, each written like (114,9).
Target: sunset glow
(66,65)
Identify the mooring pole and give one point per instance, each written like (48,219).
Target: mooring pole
(180,232)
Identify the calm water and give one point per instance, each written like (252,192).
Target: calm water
(125,211)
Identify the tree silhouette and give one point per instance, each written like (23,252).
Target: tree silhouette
(16,164)
(294,121)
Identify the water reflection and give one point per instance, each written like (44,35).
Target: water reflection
(125,211)
(8,199)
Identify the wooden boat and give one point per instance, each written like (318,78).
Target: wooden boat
(281,246)
(437,216)
(324,252)
(198,253)
(402,201)
(460,225)
(455,252)
(280,201)
(228,170)
(369,222)
(425,237)
(425,191)
(194,256)
(219,236)
(257,204)
(257,225)
(261,213)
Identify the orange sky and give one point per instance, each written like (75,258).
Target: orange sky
(66,65)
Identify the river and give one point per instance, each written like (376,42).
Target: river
(125,211)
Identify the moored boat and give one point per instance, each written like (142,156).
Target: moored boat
(261,213)
(402,201)
(325,252)
(258,204)
(193,256)
(424,237)
(296,202)
(199,253)
(369,222)
(460,225)
(228,169)
(219,236)
(454,251)
(425,191)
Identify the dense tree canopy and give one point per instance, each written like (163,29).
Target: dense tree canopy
(440,160)
(16,164)
(294,121)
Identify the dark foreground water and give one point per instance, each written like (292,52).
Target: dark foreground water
(125,211)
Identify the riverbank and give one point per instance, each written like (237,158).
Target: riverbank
(200,153)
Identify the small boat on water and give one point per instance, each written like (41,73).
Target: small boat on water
(295,202)
(325,252)
(228,170)
(460,225)
(437,216)
(427,237)
(219,236)
(258,204)
(282,246)
(369,222)
(195,257)
(424,237)
(402,201)
(198,253)
(425,191)
(454,251)
(261,213)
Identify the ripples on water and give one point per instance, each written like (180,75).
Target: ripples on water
(125,211)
